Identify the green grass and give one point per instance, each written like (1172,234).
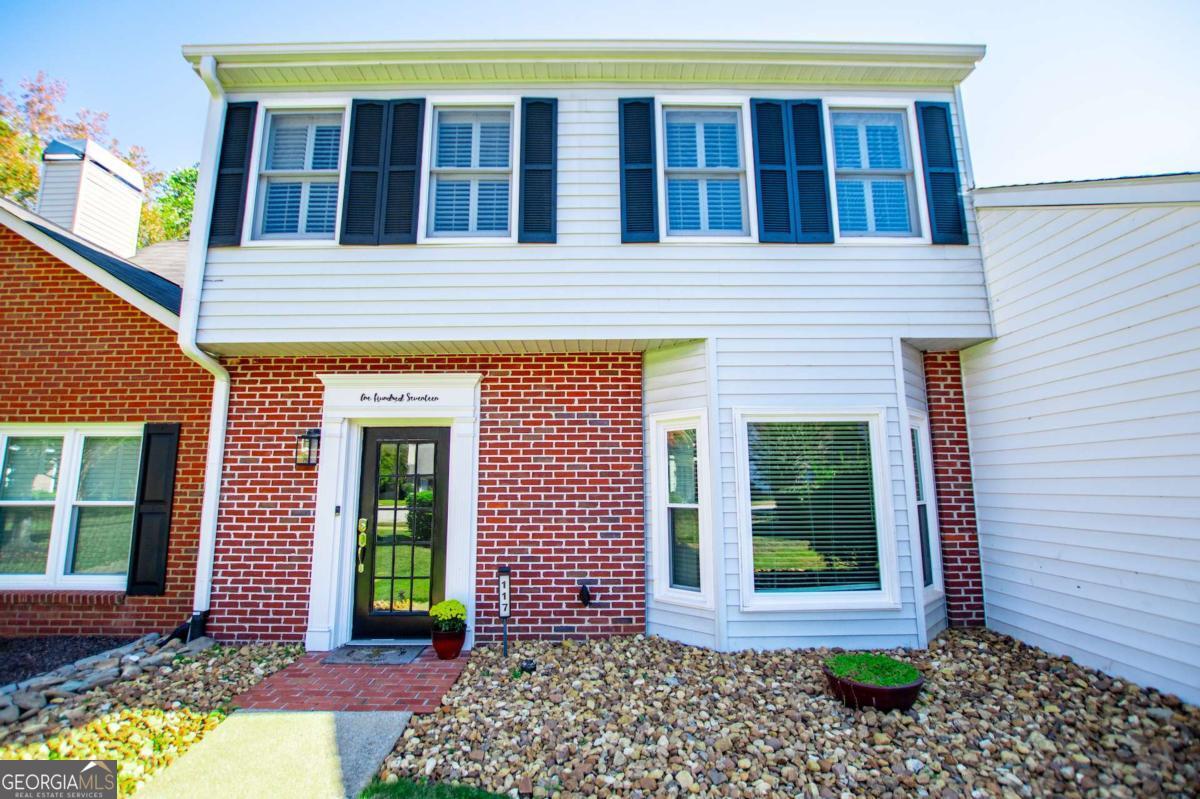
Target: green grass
(773,554)
(872,669)
(412,789)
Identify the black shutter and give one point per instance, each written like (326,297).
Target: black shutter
(152,510)
(639,204)
(360,206)
(402,186)
(537,221)
(233,171)
(947,217)
(814,222)
(771,170)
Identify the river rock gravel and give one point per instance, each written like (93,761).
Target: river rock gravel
(644,717)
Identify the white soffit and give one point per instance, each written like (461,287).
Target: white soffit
(383,64)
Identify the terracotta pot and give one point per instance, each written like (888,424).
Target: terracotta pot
(882,697)
(448,645)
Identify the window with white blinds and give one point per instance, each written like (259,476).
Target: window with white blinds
(471,173)
(813,518)
(298,180)
(705,172)
(875,190)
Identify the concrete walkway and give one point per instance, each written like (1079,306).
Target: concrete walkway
(256,754)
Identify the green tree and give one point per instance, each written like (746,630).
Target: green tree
(176,194)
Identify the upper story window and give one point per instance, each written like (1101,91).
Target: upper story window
(875,194)
(471,172)
(705,172)
(298,181)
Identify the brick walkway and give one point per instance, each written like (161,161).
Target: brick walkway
(309,684)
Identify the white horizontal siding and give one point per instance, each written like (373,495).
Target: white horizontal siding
(674,379)
(58,192)
(1085,433)
(813,374)
(588,285)
(109,211)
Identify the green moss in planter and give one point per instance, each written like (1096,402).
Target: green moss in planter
(872,669)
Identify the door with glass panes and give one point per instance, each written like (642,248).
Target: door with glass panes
(400,546)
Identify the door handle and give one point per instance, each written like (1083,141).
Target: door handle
(362,544)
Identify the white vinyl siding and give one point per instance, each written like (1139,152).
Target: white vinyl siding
(298,180)
(1085,435)
(875,189)
(705,172)
(471,177)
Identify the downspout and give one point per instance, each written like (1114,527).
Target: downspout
(189,316)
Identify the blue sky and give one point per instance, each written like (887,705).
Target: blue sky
(1068,90)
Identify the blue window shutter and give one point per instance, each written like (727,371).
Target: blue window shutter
(364,167)
(947,216)
(537,215)
(639,176)
(776,221)
(814,222)
(233,172)
(401,190)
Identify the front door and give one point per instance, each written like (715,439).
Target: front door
(400,568)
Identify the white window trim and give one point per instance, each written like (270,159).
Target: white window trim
(55,576)
(866,103)
(258,148)
(920,421)
(887,597)
(659,425)
(750,211)
(432,104)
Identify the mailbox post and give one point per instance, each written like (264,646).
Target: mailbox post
(503,579)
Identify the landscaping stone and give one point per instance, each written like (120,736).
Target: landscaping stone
(643,717)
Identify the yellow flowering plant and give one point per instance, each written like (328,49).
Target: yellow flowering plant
(449,616)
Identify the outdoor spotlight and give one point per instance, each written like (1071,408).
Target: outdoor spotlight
(308,445)
(585,595)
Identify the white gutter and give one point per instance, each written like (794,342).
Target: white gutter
(189,316)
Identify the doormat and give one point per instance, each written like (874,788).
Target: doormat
(374,655)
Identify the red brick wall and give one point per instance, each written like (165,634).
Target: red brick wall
(73,352)
(955,492)
(560,492)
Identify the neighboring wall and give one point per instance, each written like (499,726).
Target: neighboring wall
(72,352)
(1085,428)
(559,492)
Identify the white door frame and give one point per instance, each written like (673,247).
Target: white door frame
(353,402)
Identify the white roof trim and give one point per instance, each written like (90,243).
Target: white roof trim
(1172,189)
(15,219)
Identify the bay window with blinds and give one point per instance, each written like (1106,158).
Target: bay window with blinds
(876,195)
(297,195)
(470,186)
(815,531)
(705,172)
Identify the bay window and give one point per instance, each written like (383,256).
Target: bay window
(874,171)
(471,174)
(298,180)
(679,517)
(926,504)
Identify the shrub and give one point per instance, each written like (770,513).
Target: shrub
(449,616)
(870,669)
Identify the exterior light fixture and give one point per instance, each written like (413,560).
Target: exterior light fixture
(308,446)
(585,595)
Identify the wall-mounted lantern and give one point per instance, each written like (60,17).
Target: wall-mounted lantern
(308,447)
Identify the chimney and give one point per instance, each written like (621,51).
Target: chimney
(92,193)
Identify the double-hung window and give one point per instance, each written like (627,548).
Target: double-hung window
(471,173)
(926,513)
(66,506)
(705,172)
(679,519)
(298,181)
(815,528)
(875,191)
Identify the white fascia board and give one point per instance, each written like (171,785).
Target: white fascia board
(1148,190)
(89,270)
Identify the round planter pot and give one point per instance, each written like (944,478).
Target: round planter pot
(448,645)
(882,697)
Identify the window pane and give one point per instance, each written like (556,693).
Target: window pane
(846,148)
(492,213)
(681,144)
(852,205)
(685,548)
(724,205)
(453,143)
(681,467)
(812,508)
(452,206)
(883,147)
(30,468)
(493,144)
(288,142)
(281,211)
(683,204)
(916,448)
(100,540)
(327,143)
(890,201)
(24,539)
(721,144)
(109,469)
(926,556)
(322,208)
